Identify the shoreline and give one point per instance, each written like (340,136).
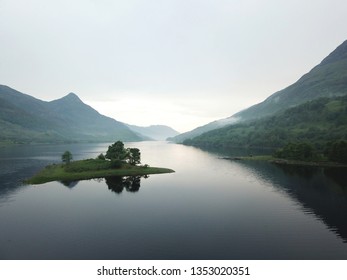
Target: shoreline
(58,172)
(280,161)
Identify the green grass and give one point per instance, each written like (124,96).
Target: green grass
(90,169)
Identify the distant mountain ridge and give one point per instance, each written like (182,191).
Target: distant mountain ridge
(24,118)
(154,132)
(328,79)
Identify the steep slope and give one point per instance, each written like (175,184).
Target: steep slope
(24,118)
(84,122)
(155,132)
(327,79)
(318,122)
(202,129)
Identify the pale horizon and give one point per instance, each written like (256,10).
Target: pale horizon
(176,63)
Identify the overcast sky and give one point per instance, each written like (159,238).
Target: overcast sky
(182,63)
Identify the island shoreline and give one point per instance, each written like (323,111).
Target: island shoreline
(58,172)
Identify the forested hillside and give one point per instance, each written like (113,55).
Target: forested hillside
(316,122)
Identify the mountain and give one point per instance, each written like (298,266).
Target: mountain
(318,122)
(24,118)
(155,132)
(202,129)
(327,79)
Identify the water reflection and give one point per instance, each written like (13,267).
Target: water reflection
(306,172)
(115,183)
(339,176)
(69,184)
(237,152)
(13,172)
(20,162)
(238,210)
(129,183)
(321,191)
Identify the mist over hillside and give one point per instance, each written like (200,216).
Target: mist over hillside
(328,79)
(316,122)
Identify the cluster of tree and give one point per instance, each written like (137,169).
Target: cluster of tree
(317,122)
(335,151)
(117,154)
(296,151)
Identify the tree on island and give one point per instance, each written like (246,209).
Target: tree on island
(117,153)
(66,157)
(134,156)
(101,156)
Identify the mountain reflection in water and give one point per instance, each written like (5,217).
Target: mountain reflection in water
(319,190)
(209,208)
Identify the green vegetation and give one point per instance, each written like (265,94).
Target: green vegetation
(119,162)
(117,154)
(272,159)
(90,169)
(336,151)
(66,157)
(316,123)
(25,119)
(334,154)
(297,151)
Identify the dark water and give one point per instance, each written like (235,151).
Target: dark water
(210,208)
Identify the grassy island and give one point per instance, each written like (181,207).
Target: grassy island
(90,169)
(118,161)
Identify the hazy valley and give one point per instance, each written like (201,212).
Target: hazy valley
(212,207)
(326,80)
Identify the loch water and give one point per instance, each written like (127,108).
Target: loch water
(210,208)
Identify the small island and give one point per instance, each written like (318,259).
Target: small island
(118,161)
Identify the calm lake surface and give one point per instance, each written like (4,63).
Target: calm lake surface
(210,208)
